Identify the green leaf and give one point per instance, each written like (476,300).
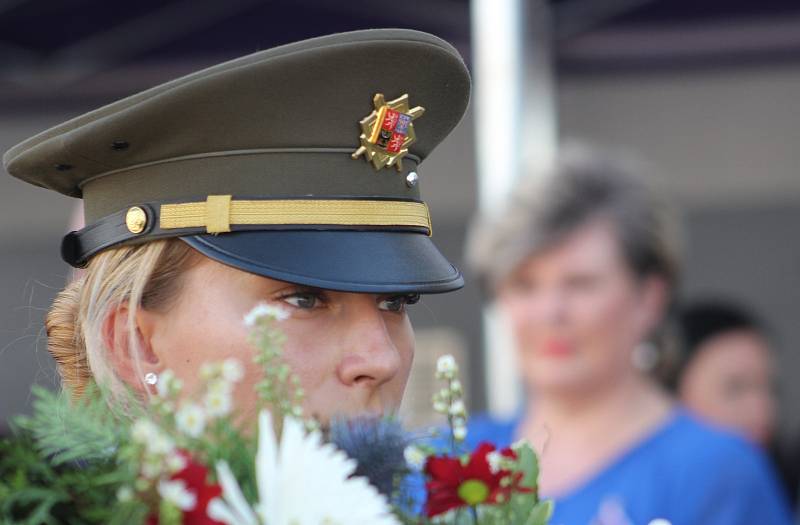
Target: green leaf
(528,464)
(541,513)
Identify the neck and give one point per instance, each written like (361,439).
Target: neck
(633,399)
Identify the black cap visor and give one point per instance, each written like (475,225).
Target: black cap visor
(345,260)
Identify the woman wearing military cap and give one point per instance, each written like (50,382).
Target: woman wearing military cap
(289,177)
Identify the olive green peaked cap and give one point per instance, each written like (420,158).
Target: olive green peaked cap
(298,163)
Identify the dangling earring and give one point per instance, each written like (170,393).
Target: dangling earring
(645,356)
(151,378)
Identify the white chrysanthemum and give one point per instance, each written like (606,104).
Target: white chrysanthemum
(207,371)
(218,403)
(151,468)
(458,408)
(304,482)
(143,431)
(460,432)
(415,457)
(160,444)
(124,494)
(191,420)
(232,370)
(495,460)
(175,492)
(176,462)
(168,384)
(220,386)
(446,367)
(265,310)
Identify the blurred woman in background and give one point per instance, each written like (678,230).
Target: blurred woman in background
(726,376)
(583,267)
(726,372)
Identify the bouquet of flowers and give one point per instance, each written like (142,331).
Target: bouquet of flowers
(190,458)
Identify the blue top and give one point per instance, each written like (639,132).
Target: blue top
(684,472)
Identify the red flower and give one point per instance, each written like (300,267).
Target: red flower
(195,476)
(452,484)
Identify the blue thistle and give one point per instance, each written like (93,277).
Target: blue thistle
(377,444)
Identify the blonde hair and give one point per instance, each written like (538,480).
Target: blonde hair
(140,276)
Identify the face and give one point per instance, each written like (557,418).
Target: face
(352,352)
(577,312)
(730,383)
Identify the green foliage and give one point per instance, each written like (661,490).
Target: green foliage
(280,387)
(60,467)
(66,431)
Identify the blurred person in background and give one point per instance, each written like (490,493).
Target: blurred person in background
(727,372)
(583,267)
(726,376)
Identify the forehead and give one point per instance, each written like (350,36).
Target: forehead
(209,274)
(594,243)
(736,346)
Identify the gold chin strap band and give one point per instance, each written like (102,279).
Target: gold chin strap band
(219,212)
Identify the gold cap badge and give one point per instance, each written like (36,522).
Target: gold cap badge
(388,131)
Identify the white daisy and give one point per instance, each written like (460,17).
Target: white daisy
(218,403)
(302,482)
(446,367)
(232,370)
(495,460)
(458,408)
(143,431)
(176,462)
(168,384)
(415,457)
(159,444)
(265,310)
(175,492)
(191,420)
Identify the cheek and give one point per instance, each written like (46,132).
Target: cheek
(402,336)
(704,391)
(520,317)
(202,333)
(312,354)
(606,326)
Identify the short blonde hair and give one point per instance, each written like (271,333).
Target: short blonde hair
(141,276)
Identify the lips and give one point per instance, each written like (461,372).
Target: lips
(557,348)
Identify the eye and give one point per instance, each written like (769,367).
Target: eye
(520,284)
(303,300)
(397,303)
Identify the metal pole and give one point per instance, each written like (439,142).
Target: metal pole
(515,131)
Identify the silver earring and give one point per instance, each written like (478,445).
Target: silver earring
(645,357)
(151,378)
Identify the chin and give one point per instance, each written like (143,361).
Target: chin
(558,379)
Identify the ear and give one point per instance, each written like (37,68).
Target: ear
(129,364)
(653,303)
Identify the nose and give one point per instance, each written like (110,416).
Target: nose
(547,307)
(371,357)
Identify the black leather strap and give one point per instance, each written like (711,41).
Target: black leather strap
(78,247)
